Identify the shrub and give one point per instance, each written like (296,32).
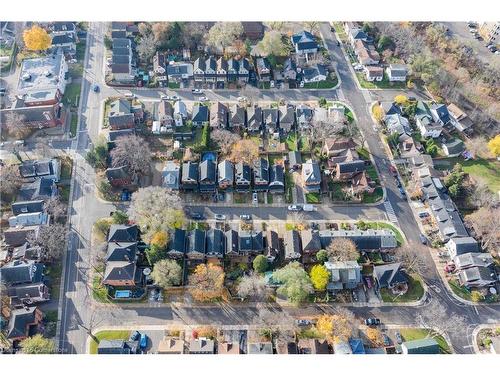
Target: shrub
(260,264)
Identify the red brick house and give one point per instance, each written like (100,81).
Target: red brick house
(24,323)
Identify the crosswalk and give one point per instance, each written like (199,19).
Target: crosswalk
(390,212)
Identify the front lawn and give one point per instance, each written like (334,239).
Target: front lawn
(363,153)
(54,272)
(72,93)
(313,198)
(376,196)
(380,225)
(66,168)
(74,124)
(289,186)
(329,83)
(415,291)
(174,85)
(107,335)
(291,142)
(410,334)
(99,291)
(384,84)
(459,290)
(304,144)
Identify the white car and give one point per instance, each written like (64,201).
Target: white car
(358,67)
(220,217)
(294,207)
(164,97)
(241,99)
(301,84)
(272,83)
(203,99)
(255,199)
(196,91)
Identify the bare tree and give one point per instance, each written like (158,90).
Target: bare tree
(311,26)
(342,249)
(146,47)
(486,224)
(14,124)
(245,151)
(51,239)
(482,196)
(412,258)
(324,129)
(193,34)
(55,208)
(437,320)
(11,180)
(224,139)
(223,34)
(275,321)
(95,319)
(133,152)
(253,287)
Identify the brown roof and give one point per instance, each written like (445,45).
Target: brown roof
(375,70)
(313,346)
(339,144)
(228,348)
(171,345)
(365,51)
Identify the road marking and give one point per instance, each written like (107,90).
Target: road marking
(467,346)
(390,212)
(475,309)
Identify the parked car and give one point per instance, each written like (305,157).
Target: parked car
(135,336)
(423,215)
(386,339)
(197,216)
(164,97)
(174,98)
(372,322)
(255,199)
(393,170)
(294,207)
(272,84)
(95,88)
(196,91)
(203,99)
(143,342)
(423,239)
(220,217)
(450,267)
(354,296)
(303,322)
(443,254)
(301,84)
(241,99)
(402,191)
(398,183)
(245,217)
(399,338)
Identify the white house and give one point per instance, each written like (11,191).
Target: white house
(397,72)
(425,122)
(374,73)
(461,245)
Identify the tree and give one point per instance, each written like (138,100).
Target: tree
(160,31)
(494,145)
(252,286)
(321,130)
(14,124)
(193,34)
(146,48)
(412,258)
(36,39)
(98,156)
(476,296)
(166,273)
(225,139)
(223,34)
(311,26)
(160,239)
(272,44)
(337,327)
(486,224)
(477,146)
(55,208)
(374,336)
(119,217)
(260,264)
(38,344)
(319,277)
(437,320)
(133,152)
(156,209)
(454,181)
(154,254)
(11,180)
(322,256)
(101,227)
(295,283)
(144,28)
(378,113)
(51,239)
(207,282)
(341,250)
(482,196)
(245,151)
(401,99)
(384,42)
(431,147)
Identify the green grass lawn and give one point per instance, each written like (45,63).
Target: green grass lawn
(304,144)
(264,85)
(410,334)
(64,193)
(289,186)
(54,271)
(269,198)
(339,30)
(459,291)
(380,225)
(313,198)
(336,189)
(415,291)
(377,195)
(99,292)
(327,84)
(274,159)
(309,333)
(174,85)
(291,142)
(74,124)
(72,93)
(349,115)
(289,226)
(384,84)
(66,168)
(242,198)
(363,153)
(107,335)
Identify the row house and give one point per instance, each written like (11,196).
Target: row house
(263,67)
(221,70)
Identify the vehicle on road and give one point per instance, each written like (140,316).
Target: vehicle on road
(399,338)
(294,207)
(386,339)
(354,296)
(245,217)
(197,216)
(309,208)
(303,322)
(358,67)
(197,91)
(338,43)
(125,195)
(450,267)
(443,254)
(241,99)
(472,30)
(255,198)
(372,322)
(393,170)
(164,97)
(423,215)
(423,239)
(95,87)
(271,84)
(129,95)
(220,217)
(174,98)
(135,336)
(402,191)
(398,183)
(143,342)
(203,99)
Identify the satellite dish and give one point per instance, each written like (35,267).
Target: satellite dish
(146,271)
(493,290)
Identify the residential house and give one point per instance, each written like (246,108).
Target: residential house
(177,246)
(311,244)
(121,264)
(305,44)
(179,71)
(228,348)
(477,277)
(42,80)
(271,118)
(237,118)
(347,170)
(21,272)
(207,176)
(255,119)
(119,176)
(225,178)
(289,71)
(46,116)
(311,176)
(199,70)
(221,70)
(273,247)
(253,30)
(343,275)
(459,119)
(120,115)
(118,347)
(40,188)
(260,175)
(219,117)
(260,348)
(294,160)
(454,148)
(211,75)
(286,118)
(263,69)
(313,346)
(389,275)
(360,184)
(171,345)
(65,42)
(374,73)
(160,62)
(368,240)
(305,116)
(357,346)
(180,113)
(366,53)
(469,260)
(233,68)
(315,73)
(396,123)
(28,294)
(251,243)
(25,207)
(337,146)
(122,64)
(440,114)
(342,347)
(286,347)
(171,175)
(113,135)
(355,32)
(14,237)
(276,179)
(190,173)
(46,168)
(232,243)
(422,346)
(123,233)
(397,72)
(293,248)
(201,346)
(425,121)
(243,175)
(196,244)
(29,219)
(166,114)
(200,116)
(24,323)
(216,243)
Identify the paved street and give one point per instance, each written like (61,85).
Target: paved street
(77,310)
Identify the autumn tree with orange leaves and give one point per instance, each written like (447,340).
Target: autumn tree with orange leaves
(337,327)
(36,39)
(245,150)
(207,282)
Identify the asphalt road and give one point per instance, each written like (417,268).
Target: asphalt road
(79,313)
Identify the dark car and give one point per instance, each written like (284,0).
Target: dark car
(245,217)
(95,88)
(196,216)
(372,322)
(399,339)
(398,183)
(387,340)
(423,239)
(135,336)
(303,322)
(423,215)
(402,191)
